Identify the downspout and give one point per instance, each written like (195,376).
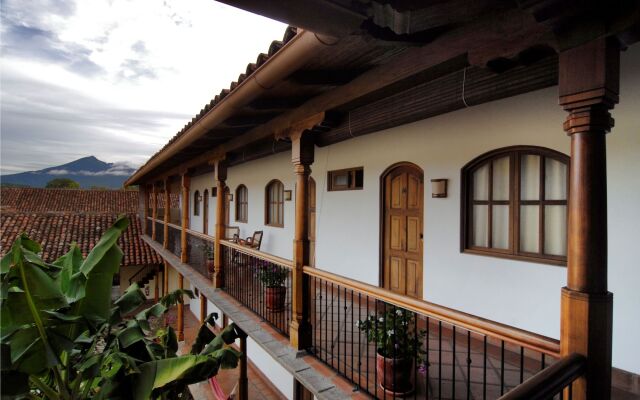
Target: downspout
(287,60)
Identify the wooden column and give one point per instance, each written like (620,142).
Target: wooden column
(154,211)
(184,249)
(300,392)
(167,213)
(588,86)
(180,331)
(243,380)
(220,178)
(302,153)
(203,307)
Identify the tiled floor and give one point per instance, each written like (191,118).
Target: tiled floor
(259,389)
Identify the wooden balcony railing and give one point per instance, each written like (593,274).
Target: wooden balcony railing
(427,350)
(173,242)
(439,352)
(554,382)
(159,231)
(149,225)
(200,251)
(260,281)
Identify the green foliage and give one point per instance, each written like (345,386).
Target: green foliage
(272,275)
(62,183)
(63,338)
(394,332)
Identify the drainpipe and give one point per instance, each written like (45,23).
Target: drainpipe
(287,60)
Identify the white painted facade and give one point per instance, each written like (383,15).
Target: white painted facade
(522,294)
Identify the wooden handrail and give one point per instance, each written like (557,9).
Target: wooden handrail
(550,381)
(174,226)
(259,254)
(201,235)
(473,323)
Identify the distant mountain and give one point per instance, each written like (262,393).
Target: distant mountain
(87,171)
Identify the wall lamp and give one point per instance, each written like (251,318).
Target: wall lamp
(439,188)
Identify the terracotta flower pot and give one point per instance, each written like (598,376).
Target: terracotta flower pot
(275,297)
(394,374)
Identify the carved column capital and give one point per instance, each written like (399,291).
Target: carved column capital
(302,169)
(588,85)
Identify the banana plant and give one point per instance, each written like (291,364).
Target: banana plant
(62,337)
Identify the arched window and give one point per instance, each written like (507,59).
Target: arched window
(242,203)
(274,204)
(514,204)
(196,202)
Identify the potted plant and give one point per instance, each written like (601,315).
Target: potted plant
(399,347)
(273,278)
(207,255)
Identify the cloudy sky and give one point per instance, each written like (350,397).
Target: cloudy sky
(114,78)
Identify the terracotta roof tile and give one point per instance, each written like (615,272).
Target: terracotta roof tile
(57,217)
(68,200)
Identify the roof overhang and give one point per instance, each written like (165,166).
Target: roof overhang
(512,46)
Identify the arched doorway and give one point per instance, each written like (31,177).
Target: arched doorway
(205,212)
(401,231)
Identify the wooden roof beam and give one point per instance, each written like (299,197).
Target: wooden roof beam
(408,65)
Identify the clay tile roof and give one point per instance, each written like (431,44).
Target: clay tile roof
(68,200)
(57,217)
(276,45)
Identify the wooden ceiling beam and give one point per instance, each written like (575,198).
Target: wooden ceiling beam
(411,63)
(324,77)
(276,103)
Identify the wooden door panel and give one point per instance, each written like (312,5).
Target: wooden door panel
(397,274)
(413,192)
(396,192)
(414,278)
(413,234)
(395,234)
(402,230)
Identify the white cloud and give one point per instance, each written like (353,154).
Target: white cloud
(131,73)
(58,172)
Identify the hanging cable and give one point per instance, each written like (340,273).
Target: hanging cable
(464,80)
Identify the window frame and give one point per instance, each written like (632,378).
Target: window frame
(514,202)
(279,205)
(351,179)
(196,203)
(242,207)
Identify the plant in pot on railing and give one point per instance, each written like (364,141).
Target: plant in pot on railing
(207,255)
(273,278)
(399,347)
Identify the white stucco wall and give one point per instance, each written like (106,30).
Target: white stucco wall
(522,294)
(202,182)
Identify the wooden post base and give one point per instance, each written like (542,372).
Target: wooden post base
(300,392)
(300,335)
(589,334)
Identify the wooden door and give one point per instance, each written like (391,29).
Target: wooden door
(402,230)
(312,222)
(205,212)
